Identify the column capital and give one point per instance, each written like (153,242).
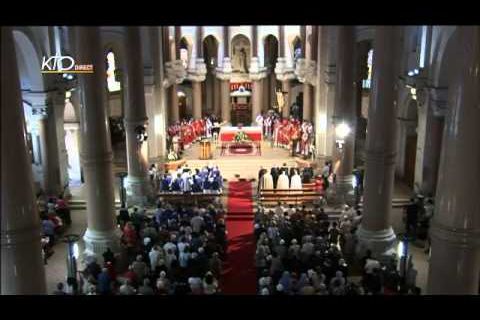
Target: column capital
(283,71)
(198,74)
(175,73)
(225,71)
(305,70)
(256,71)
(42,101)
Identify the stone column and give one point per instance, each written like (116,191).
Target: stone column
(321,112)
(307,87)
(174,111)
(429,141)
(375,232)
(286,88)
(23,271)
(216,97)
(58,103)
(96,147)
(455,231)
(159,94)
(223,74)
(256,98)
(225,96)
(266,93)
(307,102)
(345,112)
(135,119)
(197,99)
(172,104)
(43,110)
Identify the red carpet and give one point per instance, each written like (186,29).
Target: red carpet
(239,274)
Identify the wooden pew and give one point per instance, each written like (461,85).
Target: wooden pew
(306,195)
(188,198)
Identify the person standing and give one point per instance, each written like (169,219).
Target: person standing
(411,218)
(275,172)
(261,172)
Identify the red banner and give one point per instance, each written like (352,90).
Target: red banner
(235,86)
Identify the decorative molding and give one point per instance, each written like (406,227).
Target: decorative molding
(198,74)
(438,100)
(283,71)
(305,70)
(256,71)
(330,74)
(460,237)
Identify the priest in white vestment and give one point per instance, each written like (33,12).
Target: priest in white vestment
(283,183)
(266,183)
(296,181)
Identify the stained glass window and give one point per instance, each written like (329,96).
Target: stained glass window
(112,84)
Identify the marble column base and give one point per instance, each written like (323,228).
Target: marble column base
(342,192)
(97,242)
(138,191)
(381,243)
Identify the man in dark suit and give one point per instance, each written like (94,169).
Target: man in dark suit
(291,172)
(307,174)
(284,168)
(275,172)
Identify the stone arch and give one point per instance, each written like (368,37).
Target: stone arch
(295,46)
(185,44)
(269,52)
(442,51)
(210,88)
(28,60)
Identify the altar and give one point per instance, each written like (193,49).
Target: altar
(251,145)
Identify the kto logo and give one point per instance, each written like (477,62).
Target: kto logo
(64,64)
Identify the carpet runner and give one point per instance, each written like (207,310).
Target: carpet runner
(239,273)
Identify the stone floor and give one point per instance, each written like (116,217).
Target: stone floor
(248,167)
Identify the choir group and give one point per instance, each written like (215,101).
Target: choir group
(292,134)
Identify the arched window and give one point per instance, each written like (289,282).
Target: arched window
(112,84)
(366,83)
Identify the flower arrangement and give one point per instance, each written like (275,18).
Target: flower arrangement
(172,156)
(241,136)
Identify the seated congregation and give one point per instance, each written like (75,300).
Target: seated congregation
(177,250)
(304,252)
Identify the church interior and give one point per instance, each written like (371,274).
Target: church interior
(240,160)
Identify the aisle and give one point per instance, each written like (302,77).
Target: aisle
(239,271)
